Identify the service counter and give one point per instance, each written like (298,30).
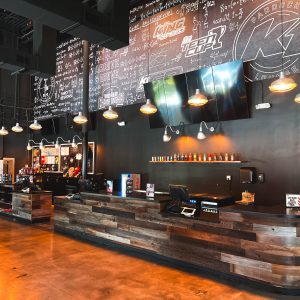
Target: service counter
(250,243)
(30,207)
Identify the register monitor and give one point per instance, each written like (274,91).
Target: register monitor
(181,203)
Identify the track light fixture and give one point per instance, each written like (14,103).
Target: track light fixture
(201,135)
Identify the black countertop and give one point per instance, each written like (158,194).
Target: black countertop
(134,196)
(270,211)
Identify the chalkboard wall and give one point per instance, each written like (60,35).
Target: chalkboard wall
(169,39)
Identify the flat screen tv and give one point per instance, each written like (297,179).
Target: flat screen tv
(223,85)
(170,96)
(230,91)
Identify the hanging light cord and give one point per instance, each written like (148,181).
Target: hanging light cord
(282,46)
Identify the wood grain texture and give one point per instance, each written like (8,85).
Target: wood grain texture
(32,207)
(249,246)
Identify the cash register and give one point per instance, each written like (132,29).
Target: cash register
(182,202)
(202,205)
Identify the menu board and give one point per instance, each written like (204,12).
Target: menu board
(65,159)
(170,38)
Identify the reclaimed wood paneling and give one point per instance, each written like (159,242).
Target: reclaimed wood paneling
(264,249)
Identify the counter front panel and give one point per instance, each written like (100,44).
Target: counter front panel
(262,247)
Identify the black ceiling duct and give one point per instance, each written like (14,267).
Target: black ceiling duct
(108,27)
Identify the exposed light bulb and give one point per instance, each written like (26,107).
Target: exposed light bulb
(35,125)
(80,119)
(41,146)
(17,128)
(56,144)
(148,108)
(110,114)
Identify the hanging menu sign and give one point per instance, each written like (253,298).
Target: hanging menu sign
(170,38)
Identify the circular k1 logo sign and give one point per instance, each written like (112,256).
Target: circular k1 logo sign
(269,39)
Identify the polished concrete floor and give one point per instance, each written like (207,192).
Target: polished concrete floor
(36,263)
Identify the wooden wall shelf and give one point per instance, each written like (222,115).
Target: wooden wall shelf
(198,162)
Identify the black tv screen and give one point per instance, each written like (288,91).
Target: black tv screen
(202,79)
(230,91)
(170,97)
(223,85)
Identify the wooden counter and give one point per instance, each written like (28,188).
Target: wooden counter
(33,207)
(247,244)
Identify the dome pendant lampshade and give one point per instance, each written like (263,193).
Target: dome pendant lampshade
(148,108)
(283,84)
(198,99)
(80,119)
(297,98)
(3,131)
(110,114)
(17,128)
(35,125)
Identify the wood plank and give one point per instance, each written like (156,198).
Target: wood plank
(113,212)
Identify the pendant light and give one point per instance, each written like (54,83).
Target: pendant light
(3,131)
(110,114)
(80,119)
(297,98)
(283,84)
(35,125)
(17,128)
(148,108)
(198,99)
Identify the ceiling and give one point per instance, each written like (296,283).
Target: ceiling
(23,27)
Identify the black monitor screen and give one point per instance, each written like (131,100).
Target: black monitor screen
(230,91)
(179,193)
(202,79)
(170,96)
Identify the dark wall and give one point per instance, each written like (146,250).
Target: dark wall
(269,141)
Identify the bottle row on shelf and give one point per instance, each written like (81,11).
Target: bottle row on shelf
(197,157)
